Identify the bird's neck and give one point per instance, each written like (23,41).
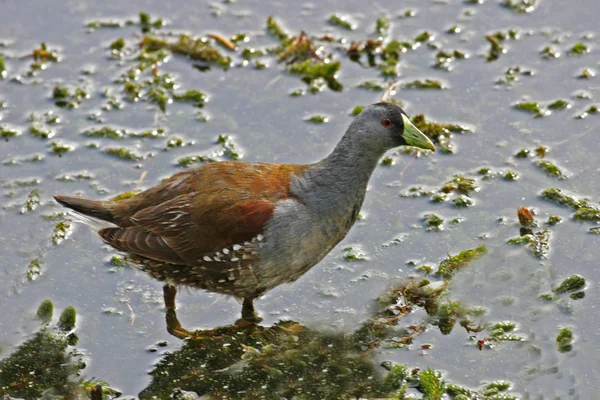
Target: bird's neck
(339,181)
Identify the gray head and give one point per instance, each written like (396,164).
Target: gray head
(383,126)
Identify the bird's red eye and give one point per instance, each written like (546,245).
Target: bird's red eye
(386,122)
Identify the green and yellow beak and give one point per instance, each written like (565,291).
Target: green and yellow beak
(415,137)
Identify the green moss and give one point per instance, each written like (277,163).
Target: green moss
(587,214)
(146,23)
(352,254)
(8,133)
(312,70)
(460,184)
(40,132)
(520,240)
(520,6)
(118,44)
(439,133)
(595,230)
(196,97)
(125,195)
(275,29)
(33,200)
(550,169)
(511,175)
(554,220)
(118,261)
(586,73)
(67,319)
(463,201)
(395,378)
(454,263)
(579,48)
(433,221)
(342,21)
(523,153)
(62,230)
(106,132)
(34,269)
(547,296)
(532,107)
(496,47)
(564,340)
(2,66)
(550,53)
(318,119)
(382,25)
(357,110)
(45,311)
(557,196)
(191,160)
(199,49)
(425,84)
(431,385)
(454,29)
(123,153)
(424,37)
(577,295)
(571,284)
(298,93)
(559,105)
(377,86)
(64,98)
(60,148)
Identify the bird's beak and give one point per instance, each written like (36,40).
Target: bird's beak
(415,137)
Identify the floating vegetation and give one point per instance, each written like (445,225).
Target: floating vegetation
(42,56)
(342,21)
(593,109)
(554,220)
(60,148)
(564,340)
(314,71)
(2,67)
(439,133)
(550,53)
(532,107)
(460,184)
(33,271)
(586,73)
(540,243)
(444,59)
(521,6)
(40,132)
(376,86)
(354,254)
(583,210)
(579,48)
(318,119)
(7,133)
(124,195)
(513,74)
(433,222)
(227,149)
(559,105)
(450,265)
(108,132)
(196,97)
(463,201)
(62,230)
(124,153)
(45,311)
(550,169)
(198,49)
(382,25)
(424,84)
(275,29)
(33,200)
(573,283)
(64,98)
(357,110)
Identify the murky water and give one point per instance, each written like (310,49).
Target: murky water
(267,124)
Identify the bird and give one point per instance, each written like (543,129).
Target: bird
(243,228)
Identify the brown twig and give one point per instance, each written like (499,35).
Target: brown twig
(223,41)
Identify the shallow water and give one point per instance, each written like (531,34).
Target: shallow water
(267,124)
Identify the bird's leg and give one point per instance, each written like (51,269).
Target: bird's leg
(173,324)
(248,312)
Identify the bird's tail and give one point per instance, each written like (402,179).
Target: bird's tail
(93,208)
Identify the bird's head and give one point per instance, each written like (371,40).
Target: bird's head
(383,126)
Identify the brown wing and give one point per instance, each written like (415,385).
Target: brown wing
(217,206)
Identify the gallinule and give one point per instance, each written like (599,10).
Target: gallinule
(243,228)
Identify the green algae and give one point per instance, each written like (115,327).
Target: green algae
(2,67)
(579,48)
(354,254)
(124,195)
(275,29)
(7,133)
(198,49)
(32,202)
(450,265)
(587,214)
(376,86)
(550,169)
(520,240)
(444,59)
(41,132)
(557,196)
(496,47)
(532,107)
(196,97)
(118,261)
(317,119)
(67,319)
(424,37)
(105,132)
(45,311)
(564,340)
(460,184)
(357,110)
(118,44)
(554,220)
(34,269)
(424,84)
(382,25)
(123,153)
(463,201)
(62,230)
(523,153)
(311,70)
(550,53)
(433,221)
(146,23)
(595,230)
(431,384)
(341,21)
(65,98)
(559,105)
(571,284)
(60,148)
(521,6)
(439,133)
(586,73)
(512,75)
(511,175)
